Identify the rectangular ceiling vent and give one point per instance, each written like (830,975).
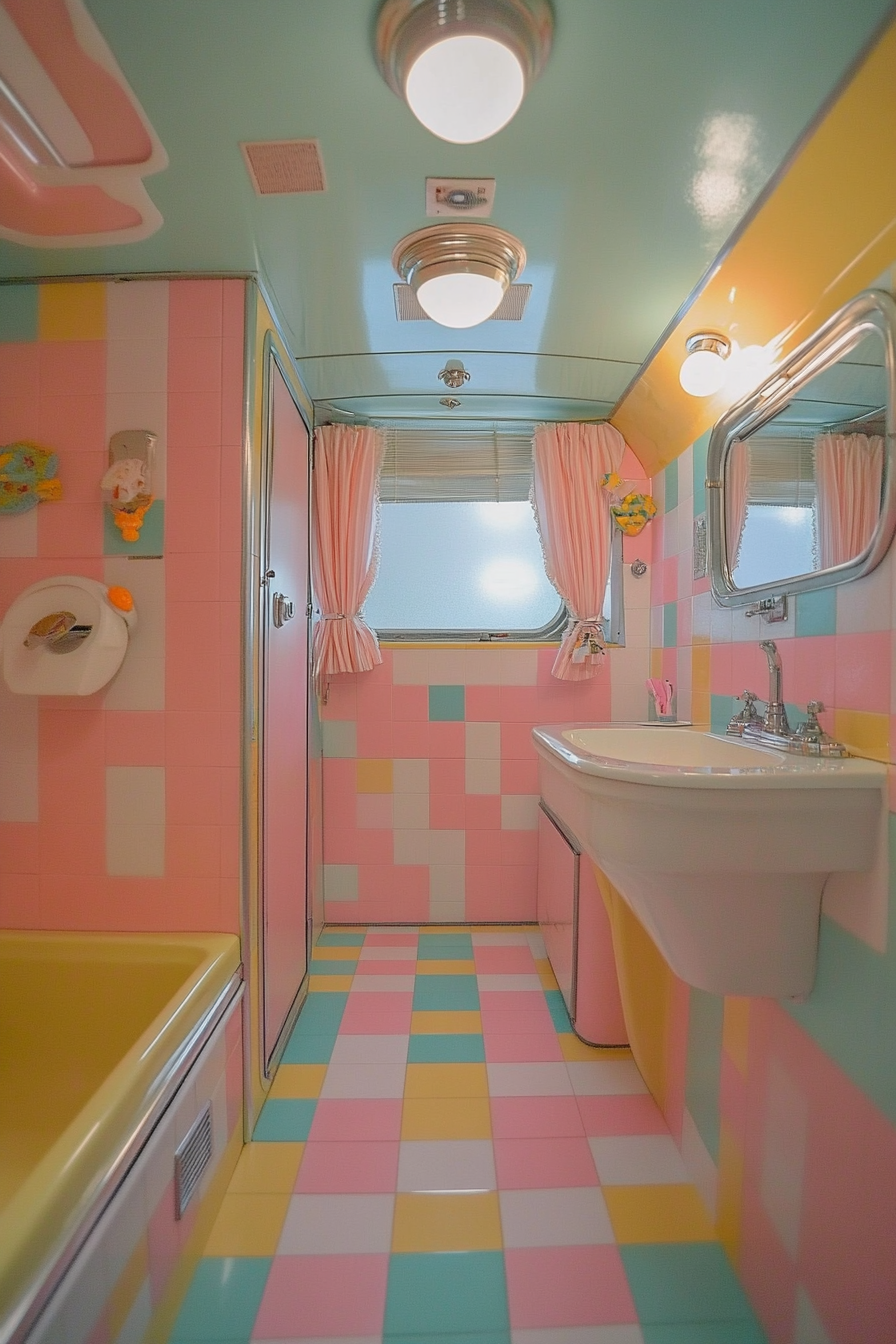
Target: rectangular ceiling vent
(456,196)
(511,308)
(284,167)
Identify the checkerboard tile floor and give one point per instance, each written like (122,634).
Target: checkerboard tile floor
(442,1160)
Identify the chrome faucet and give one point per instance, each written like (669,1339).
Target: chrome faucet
(775,720)
(773,730)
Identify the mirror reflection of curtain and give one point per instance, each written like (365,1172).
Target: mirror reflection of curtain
(848,475)
(737,481)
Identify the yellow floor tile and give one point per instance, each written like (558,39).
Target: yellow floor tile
(446,1118)
(329,984)
(266,1169)
(446,968)
(573,1048)
(464,1021)
(546,975)
(298,1080)
(446,1080)
(248,1225)
(447,1223)
(336,953)
(653,1213)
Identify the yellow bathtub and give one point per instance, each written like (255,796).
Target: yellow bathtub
(94,1031)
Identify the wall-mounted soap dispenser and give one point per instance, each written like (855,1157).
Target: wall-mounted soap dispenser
(65,636)
(128,481)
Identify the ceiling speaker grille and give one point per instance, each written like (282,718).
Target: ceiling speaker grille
(510,309)
(284,167)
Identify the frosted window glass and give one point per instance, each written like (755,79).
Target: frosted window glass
(460,566)
(778,542)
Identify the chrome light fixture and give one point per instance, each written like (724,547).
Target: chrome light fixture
(459,273)
(463,66)
(703,370)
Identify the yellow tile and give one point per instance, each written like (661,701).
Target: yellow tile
(266,1169)
(374,776)
(735,1030)
(447,1223)
(124,1294)
(329,984)
(446,968)
(248,1225)
(336,953)
(573,1049)
(701,709)
(654,1213)
(545,974)
(864,733)
(731,1180)
(656,662)
(446,1080)
(446,1118)
(298,1080)
(700,668)
(442,1021)
(72,312)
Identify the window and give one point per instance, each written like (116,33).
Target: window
(778,538)
(460,556)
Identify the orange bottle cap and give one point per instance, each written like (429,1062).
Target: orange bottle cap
(121,598)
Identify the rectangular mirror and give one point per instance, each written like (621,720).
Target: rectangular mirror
(801,490)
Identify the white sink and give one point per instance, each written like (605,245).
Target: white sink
(721,849)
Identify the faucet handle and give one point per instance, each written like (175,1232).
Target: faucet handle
(747,715)
(814,708)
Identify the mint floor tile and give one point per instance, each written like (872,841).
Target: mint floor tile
(445,947)
(706,1332)
(681,1284)
(310,1048)
(465,1337)
(462,1292)
(342,939)
(284,1120)
(452,992)
(222,1301)
(446,1049)
(557,1007)
(322,1013)
(333,967)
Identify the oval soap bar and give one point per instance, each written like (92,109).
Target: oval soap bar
(121,598)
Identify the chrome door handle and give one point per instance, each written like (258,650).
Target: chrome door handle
(283,609)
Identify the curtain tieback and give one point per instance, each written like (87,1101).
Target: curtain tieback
(339,616)
(589,635)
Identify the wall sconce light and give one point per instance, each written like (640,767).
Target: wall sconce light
(459,273)
(463,66)
(703,371)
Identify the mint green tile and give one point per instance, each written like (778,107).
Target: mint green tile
(706,1332)
(341,940)
(151,541)
(721,708)
(339,739)
(446,704)
(557,1007)
(670,486)
(222,1300)
(445,947)
(333,967)
(445,992)
(700,449)
(455,1337)
(463,1292)
(683,1284)
(816,612)
(321,1013)
(284,1120)
(18,312)
(670,625)
(704,1065)
(446,1049)
(310,1048)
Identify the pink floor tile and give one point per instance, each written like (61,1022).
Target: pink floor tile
(536,1118)
(310,1296)
(543,1163)
(386,1014)
(604,1117)
(504,961)
(369,1120)
(359,1168)
(513,1000)
(528,1021)
(555,1286)
(511,1049)
(391,940)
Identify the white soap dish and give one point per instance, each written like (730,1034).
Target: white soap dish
(65,636)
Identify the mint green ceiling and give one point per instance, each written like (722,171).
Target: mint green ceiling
(654,126)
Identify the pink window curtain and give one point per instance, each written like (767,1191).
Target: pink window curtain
(737,482)
(344,501)
(573,512)
(848,475)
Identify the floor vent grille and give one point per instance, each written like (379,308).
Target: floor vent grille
(284,167)
(191,1160)
(510,309)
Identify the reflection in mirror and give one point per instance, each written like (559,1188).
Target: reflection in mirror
(804,470)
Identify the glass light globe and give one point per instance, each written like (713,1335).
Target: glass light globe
(747,368)
(461,299)
(702,373)
(465,89)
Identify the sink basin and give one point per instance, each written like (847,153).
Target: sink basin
(721,849)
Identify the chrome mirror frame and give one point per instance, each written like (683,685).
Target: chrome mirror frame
(872,310)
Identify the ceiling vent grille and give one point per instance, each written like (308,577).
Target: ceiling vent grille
(284,167)
(511,308)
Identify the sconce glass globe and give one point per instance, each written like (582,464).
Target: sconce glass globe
(465,89)
(703,371)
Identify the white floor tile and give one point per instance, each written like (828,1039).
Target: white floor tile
(606,1078)
(572,1217)
(337,1225)
(382,984)
(528,1080)
(451,1164)
(509,982)
(639,1159)
(370,1050)
(499,939)
(570,1334)
(345,1081)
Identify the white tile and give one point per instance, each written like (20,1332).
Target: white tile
(337,1225)
(637,627)
(410,776)
(638,1159)
(135,851)
(656,626)
(447,847)
(572,1217)
(410,811)
(449,1165)
(135,795)
(447,909)
(363,1080)
(670,534)
(636,590)
(484,666)
(340,738)
(605,1078)
(483,741)
(701,610)
(686,473)
(865,604)
(784,1156)
(528,1080)
(137,365)
(388,954)
(411,846)
(519,812)
(536,945)
(569,1334)
(447,884)
(340,881)
(809,1328)
(138,1318)
(499,939)
(382,984)
(369,1050)
(519,667)
(18,535)
(410,667)
(509,982)
(482,776)
(139,683)
(720,623)
(18,755)
(447,667)
(137,308)
(700,1166)
(143,410)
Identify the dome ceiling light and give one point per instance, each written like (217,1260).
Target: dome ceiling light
(463,66)
(459,272)
(703,371)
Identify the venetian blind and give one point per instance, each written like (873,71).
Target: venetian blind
(457,465)
(782,471)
